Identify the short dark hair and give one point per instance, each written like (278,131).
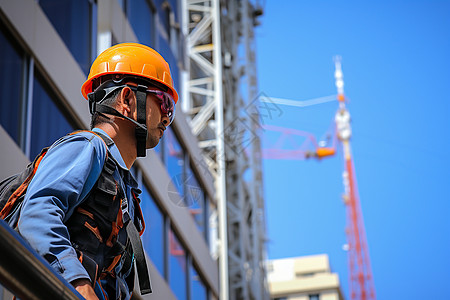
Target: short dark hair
(110,100)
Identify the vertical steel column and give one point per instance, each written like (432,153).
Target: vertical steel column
(221,85)
(204,106)
(220,153)
(258,283)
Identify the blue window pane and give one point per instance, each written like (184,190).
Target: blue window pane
(142,18)
(198,289)
(174,7)
(153,237)
(164,16)
(175,160)
(11,74)
(73,21)
(166,52)
(195,198)
(48,122)
(177,263)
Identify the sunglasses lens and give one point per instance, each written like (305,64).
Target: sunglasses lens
(170,107)
(167,103)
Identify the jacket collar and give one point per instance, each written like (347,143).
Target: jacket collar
(118,157)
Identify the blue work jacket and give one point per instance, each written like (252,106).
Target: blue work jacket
(65,176)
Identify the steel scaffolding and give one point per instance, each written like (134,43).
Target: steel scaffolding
(220,86)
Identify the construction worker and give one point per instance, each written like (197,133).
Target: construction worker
(81,211)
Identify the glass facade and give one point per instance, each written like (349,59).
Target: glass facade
(195,199)
(169,38)
(48,123)
(178,274)
(12,65)
(189,192)
(175,160)
(153,237)
(164,15)
(169,56)
(177,269)
(198,290)
(141,16)
(75,21)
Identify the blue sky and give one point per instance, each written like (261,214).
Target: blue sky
(396,64)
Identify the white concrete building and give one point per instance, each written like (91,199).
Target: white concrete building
(303,278)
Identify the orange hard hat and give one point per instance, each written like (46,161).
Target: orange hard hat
(131,59)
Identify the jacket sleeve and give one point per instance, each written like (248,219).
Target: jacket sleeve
(65,176)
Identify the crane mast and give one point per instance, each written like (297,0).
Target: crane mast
(361,285)
(360,273)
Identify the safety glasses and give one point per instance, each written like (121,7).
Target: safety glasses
(166,101)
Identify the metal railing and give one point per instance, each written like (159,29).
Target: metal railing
(26,274)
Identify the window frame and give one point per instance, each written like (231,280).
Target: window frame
(185,261)
(32,71)
(23,96)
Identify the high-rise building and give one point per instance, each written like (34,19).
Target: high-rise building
(303,278)
(46,48)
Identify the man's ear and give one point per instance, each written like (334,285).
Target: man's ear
(126,101)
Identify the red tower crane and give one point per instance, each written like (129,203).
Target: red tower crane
(360,272)
(361,279)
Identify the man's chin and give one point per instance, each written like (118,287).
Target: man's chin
(152,143)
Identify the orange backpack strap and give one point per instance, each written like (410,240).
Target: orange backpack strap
(13,188)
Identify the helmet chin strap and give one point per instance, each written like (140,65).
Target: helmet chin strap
(141,127)
(140,133)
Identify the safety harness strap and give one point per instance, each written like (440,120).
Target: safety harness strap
(141,263)
(135,240)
